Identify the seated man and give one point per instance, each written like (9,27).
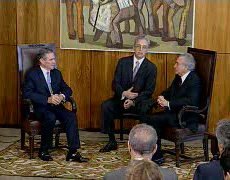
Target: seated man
(142,145)
(133,85)
(213,170)
(45,87)
(225,163)
(184,90)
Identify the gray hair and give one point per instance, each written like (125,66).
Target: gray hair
(143,139)
(142,37)
(223,132)
(43,52)
(190,62)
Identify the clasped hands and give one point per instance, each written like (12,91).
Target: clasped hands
(162,101)
(130,96)
(55,99)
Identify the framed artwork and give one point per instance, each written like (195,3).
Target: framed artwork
(112,25)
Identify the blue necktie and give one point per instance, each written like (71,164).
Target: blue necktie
(49,82)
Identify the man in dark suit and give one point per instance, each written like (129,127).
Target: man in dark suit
(141,145)
(133,85)
(213,170)
(45,87)
(184,90)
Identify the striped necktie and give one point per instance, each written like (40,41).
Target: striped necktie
(49,82)
(136,69)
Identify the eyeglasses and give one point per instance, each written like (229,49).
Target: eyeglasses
(139,47)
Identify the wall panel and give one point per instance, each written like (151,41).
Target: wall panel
(212,28)
(8,22)
(9,85)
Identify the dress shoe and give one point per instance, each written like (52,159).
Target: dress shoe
(181,42)
(45,156)
(159,161)
(155,33)
(158,157)
(76,157)
(72,35)
(108,147)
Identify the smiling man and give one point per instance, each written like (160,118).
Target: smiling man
(45,87)
(184,90)
(133,85)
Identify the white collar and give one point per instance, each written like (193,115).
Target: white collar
(135,60)
(184,76)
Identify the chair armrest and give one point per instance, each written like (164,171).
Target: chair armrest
(189,108)
(73,104)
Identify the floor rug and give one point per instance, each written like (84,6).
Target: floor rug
(14,161)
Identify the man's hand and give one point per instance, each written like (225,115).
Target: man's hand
(130,95)
(54,99)
(61,97)
(128,103)
(162,101)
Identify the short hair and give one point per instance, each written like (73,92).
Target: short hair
(143,139)
(225,160)
(142,37)
(189,61)
(143,170)
(223,132)
(42,53)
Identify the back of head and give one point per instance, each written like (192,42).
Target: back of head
(143,139)
(143,170)
(225,161)
(223,132)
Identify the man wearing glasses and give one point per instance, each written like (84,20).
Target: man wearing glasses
(133,85)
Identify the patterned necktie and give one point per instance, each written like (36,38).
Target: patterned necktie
(49,82)
(135,69)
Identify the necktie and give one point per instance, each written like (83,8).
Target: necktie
(49,82)
(135,69)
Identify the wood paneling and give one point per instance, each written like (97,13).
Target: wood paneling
(212,28)
(8,22)
(38,22)
(220,103)
(9,85)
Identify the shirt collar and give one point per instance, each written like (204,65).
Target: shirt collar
(184,76)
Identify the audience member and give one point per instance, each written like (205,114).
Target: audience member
(213,170)
(143,170)
(133,86)
(45,87)
(184,90)
(225,163)
(141,145)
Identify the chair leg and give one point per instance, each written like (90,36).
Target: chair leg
(23,133)
(177,151)
(182,148)
(31,141)
(205,147)
(121,129)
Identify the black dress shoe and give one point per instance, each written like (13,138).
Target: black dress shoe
(76,157)
(45,156)
(158,157)
(108,147)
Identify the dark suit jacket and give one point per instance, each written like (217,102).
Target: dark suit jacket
(144,82)
(188,94)
(209,171)
(168,174)
(36,88)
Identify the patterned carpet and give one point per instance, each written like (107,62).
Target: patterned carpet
(14,161)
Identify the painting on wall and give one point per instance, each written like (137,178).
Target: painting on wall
(113,25)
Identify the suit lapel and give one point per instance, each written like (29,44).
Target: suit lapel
(130,69)
(42,79)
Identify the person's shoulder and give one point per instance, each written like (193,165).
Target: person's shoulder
(124,59)
(150,64)
(211,165)
(168,174)
(116,174)
(33,71)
